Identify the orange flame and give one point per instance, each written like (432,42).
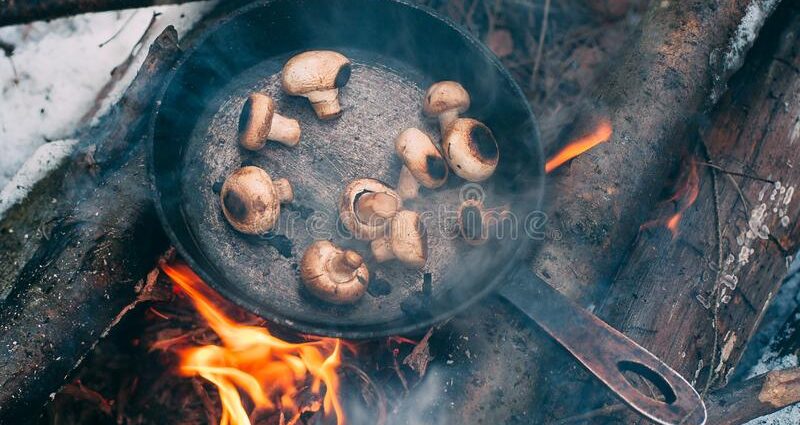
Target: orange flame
(601,134)
(683,198)
(269,370)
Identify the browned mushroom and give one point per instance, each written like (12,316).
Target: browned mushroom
(446,100)
(333,274)
(407,241)
(366,206)
(476,223)
(470,149)
(423,163)
(251,200)
(317,75)
(258,122)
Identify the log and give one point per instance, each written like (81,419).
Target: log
(735,242)
(651,96)
(14,12)
(89,269)
(754,398)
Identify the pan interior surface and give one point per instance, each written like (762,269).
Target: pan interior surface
(397,51)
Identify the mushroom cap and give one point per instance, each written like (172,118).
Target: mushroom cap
(333,274)
(348,206)
(255,121)
(315,70)
(471,149)
(249,201)
(409,239)
(445,96)
(421,157)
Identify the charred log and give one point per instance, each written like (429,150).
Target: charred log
(19,12)
(104,240)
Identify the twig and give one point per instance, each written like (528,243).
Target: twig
(734,173)
(125,24)
(542,33)
(118,72)
(603,411)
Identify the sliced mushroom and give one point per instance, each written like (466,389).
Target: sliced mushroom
(258,122)
(317,75)
(470,149)
(423,163)
(407,241)
(366,207)
(446,100)
(334,274)
(251,200)
(477,223)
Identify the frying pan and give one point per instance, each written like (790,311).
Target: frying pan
(397,50)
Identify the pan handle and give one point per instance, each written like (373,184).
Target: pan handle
(606,352)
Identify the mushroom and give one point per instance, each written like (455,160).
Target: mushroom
(423,163)
(258,122)
(407,241)
(476,223)
(251,200)
(445,99)
(317,75)
(333,274)
(366,206)
(470,149)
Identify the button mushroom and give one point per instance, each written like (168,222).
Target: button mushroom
(258,122)
(423,163)
(317,75)
(407,241)
(476,223)
(445,99)
(251,200)
(333,274)
(366,206)
(470,149)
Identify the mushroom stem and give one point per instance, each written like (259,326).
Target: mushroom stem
(375,206)
(446,119)
(408,241)
(325,103)
(284,130)
(407,185)
(342,266)
(284,190)
(382,249)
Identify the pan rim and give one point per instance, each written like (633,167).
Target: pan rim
(531,141)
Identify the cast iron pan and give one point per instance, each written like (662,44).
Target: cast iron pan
(397,51)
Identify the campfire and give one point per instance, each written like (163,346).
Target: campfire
(270,371)
(390,226)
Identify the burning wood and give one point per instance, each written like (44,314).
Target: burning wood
(272,372)
(683,198)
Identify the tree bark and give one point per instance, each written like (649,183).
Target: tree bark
(85,273)
(14,12)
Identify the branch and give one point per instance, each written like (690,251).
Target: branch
(14,12)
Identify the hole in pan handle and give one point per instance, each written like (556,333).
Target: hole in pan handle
(606,352)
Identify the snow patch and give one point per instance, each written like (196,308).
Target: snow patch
(58,68)
(45,159)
